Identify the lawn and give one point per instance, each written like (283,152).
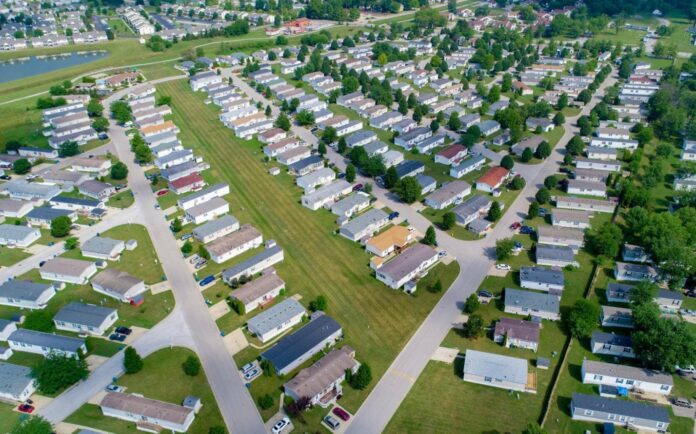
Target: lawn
(317,261)
(119,27)
(9,257)
(8,417)
(162,378)
(121,200)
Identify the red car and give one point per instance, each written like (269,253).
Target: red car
(26,408)
(162,192)
(515,226)
(338,411)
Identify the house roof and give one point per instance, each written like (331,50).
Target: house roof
(47,213)
(48,340)
(14,379)
(549,275)
(518,329)
(101,245)
(394,236)
(66,266)
(94,187)
(115,280)
(472,205)
(535,301)
(352,200)
(233,240)
(275,316)
(407,166)
(511,369)
(202,193)
(554,253)
(216,225)
(245,265)
(621,407)
(571,215)
(364,220)
(312,160)
(85,314)
(313,380)
(494,176)
(24,290)
(13,205)
(448,191)
(470,162)
(612,338)
(407,261)
(206,207)
(15,232)
(258,287)
(76,201)
(291,347)
(669,295)
(626,372)
(147,407)
(452,151)
(560,233)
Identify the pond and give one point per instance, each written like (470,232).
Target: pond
(15,69)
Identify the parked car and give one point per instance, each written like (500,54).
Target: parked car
(206,280)
(280,425)
(484,293)
(338,411)
(162,192)
(114,388)
(249,366)
(686,369)
(103,136)
(25,408)
(332,422)
(503,267)
(195,258)
(186,236)
(5,177)
(442,253)
(123,330)
(515,226)
(682,402)
(393,215)
(117,337)
(526,230)
(201,264)
(118,187)
(542,211)
(251,374)
(157,206)
(357,187)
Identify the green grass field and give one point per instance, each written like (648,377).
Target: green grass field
(9,257)
(8,417)
(317,261)
(162,378)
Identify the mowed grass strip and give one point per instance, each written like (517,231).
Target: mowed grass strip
(376,320)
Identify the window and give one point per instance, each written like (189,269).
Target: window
(606,347)
(630,382)
(589,412)
(598,377)
(611,416)
(664,387)
(488,379)
(622,418)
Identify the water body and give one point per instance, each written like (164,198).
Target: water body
(15,69)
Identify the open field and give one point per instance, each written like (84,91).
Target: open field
(8,417)
(316,260)
(162,378)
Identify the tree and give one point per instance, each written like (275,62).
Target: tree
(436,287)
(56,372)
(187,248)
(191,366)
(605,241)
(21,166)
(533,211)
(329,135)
(391,177)
(504,248)
(266,401)
(350,173)
(581,319)
(543,150)
(69,149)
(517,183)
(119,171)
(176,225)
(507,162)
(408,189)
(543,195)
(305,117)
(342,145)
(472,304)
(283,122)
(121,111)
(527,155)
(94,108)
(558,119)
(551,181)
(321,148)
(32,425)
(434,126)
(473,328)
(643,293)
(666,343)
(319,304)
(362,378)
(60,226)
(71,243)
(132,362)
(430,237)
(495,212)
(143,154)
(449,219)
(454,123)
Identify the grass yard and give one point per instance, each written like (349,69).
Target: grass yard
(317,261)
(121,200)
(9,257)
(119,27)
(8,417)
(162,378)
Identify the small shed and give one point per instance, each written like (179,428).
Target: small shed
(543,363)
(193,402)
(131,244)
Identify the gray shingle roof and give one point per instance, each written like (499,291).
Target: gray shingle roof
(100,245)
(55,342)
(215,225)
(620,407)
(14,378)
(532,300)
(23,290)
(275,316)
(479,363)
(548,275)
(84,314)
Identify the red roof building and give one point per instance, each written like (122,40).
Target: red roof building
(187,183)
(492,179)
(451,155)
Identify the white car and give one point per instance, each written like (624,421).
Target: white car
(505,267)
(280,425)
(251,374)
(248,367)
(686,369)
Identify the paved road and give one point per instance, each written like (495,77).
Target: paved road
(190,324)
